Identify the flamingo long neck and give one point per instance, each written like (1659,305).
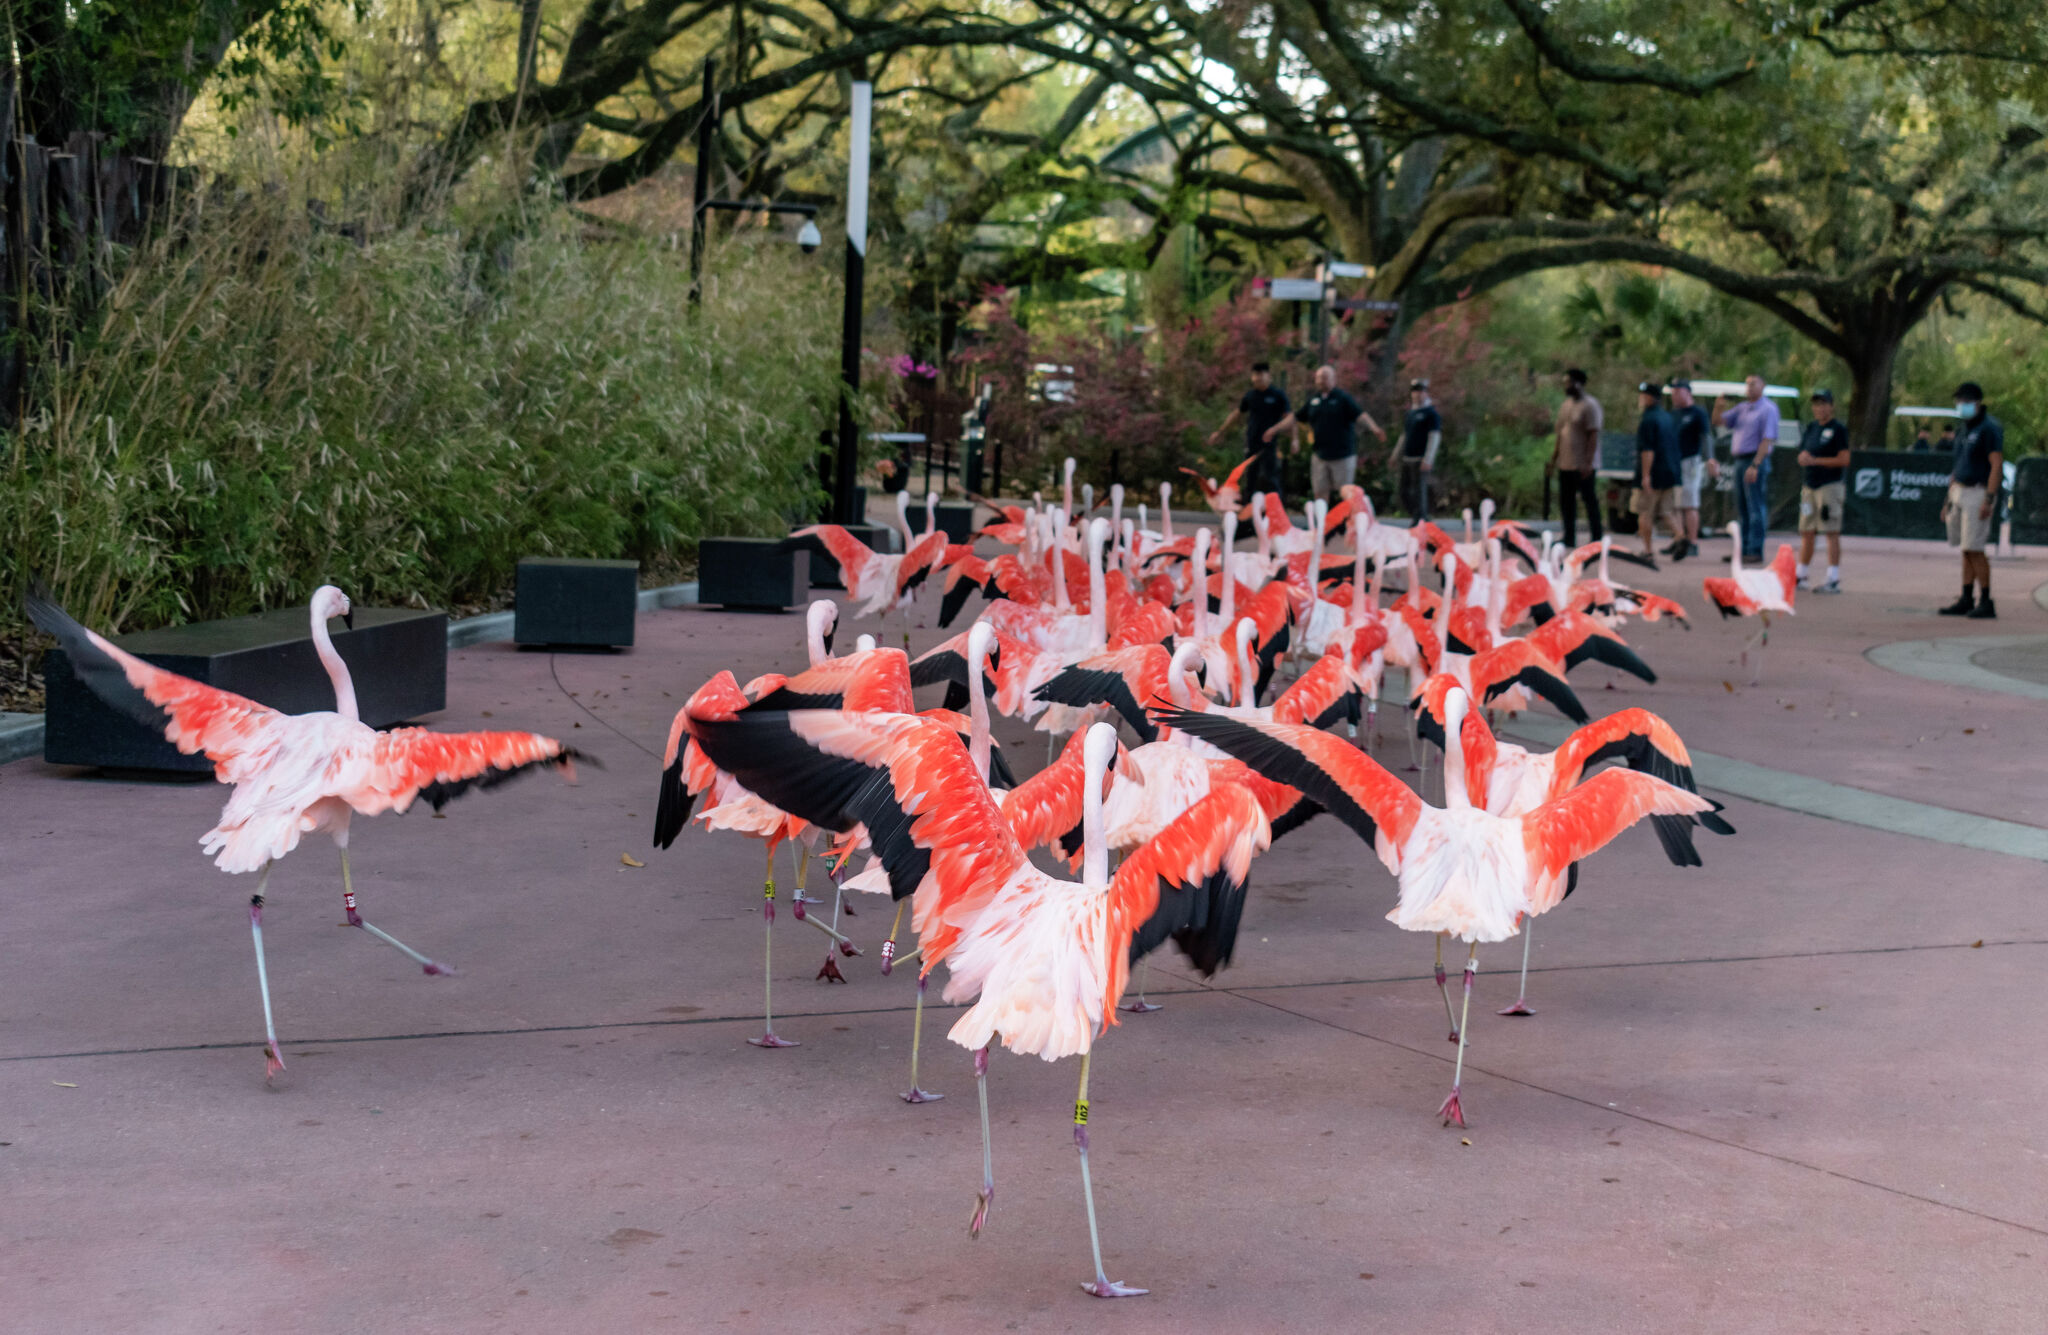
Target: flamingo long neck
(931,513)
(1166,511)
(1263,528)
(1455,796)
(1604,542)
(1094,847)
(1061,601)
(1358,573)
(1468,527)
(814,636)
(977,711)
(1229,580)
(1116,507)
(1069,485)
(1201,621)
(1177,684)
(1315,554)
(1735,557)
(1098,610)
(1245,680)
(337,672)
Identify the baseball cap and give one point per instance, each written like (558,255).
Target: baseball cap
(1822,396)
(1970,390)
(1649,387)
(1418,384)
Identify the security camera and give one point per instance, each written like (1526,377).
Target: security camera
(809,238)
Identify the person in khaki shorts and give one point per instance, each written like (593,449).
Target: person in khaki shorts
(1824,457)
(1973,498)
(1655,500)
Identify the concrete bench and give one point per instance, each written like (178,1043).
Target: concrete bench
(756,573)
(575,602)
(825,570)
(398,658)
(956,520)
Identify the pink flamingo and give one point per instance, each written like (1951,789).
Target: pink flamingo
(297,774)
(1463,871)
(1755,593)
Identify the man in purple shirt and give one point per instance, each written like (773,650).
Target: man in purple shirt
(1755,423)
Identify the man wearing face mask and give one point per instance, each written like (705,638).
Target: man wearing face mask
(1973,499)
(1579,420)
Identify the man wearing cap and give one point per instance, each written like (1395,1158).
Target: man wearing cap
(1266,414)
(1695,462)
(1824,457)
(1755,423)
(1333,418)
(1579,419)
(1973,498)
(1656,495)
(1422,432)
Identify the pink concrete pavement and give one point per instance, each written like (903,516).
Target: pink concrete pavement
(1786,1091)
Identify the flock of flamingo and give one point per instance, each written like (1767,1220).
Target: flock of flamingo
(1161,656)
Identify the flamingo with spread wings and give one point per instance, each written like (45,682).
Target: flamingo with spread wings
(1756,593)
(296,774)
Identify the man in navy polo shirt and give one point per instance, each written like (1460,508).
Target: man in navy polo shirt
(1973,499)
(1266,414)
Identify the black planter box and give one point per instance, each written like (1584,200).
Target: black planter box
(757,573)
(956,520)
(825,570)
(397,657)
(569,601)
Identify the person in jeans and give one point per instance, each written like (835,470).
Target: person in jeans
(1266,414)
(1579,419)
(1824,459)
(1422,432)
(1333,418)
(1755,423)
(1656,495)
(1973,498)
(1695,464)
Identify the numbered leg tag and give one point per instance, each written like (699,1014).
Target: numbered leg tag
(768,890)
(1081,1112)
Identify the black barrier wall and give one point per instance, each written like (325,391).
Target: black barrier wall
(1895,495)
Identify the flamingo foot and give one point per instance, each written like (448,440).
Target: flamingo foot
(1451,1110)
(801,898)
(848,949)
(800,901)
(888,956)
(982,1200)
(847,909)
(436,969)
(1143,1007)
(272,1063)
(773,1040)
(917,1095)
(1109,1288)
(1515,1007)
(828,972)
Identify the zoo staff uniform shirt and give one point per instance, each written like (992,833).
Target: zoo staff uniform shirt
(1333,417)
(1975,445)
(1263,409)
(1657,435)
(1692,431)
(1824,442)
(1416,428)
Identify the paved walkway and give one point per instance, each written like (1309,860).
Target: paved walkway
(1782,1092)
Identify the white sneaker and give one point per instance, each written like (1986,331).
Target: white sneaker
(1832,586)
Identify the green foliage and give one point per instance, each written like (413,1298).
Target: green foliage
(265,406)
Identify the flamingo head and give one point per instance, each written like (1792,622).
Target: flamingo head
(1260,524)
(864,643)
(330,602)
(981,637)
(1166,493)
(1071,465)
(821,616)
(1229,528)
(1098,753)
(1116,495)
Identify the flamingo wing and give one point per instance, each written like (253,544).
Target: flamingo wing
(853,555)
(1645,743)
(1585,820)
(1728,596)
(1518,663)
(1047,806)
(1186,885)
(1126,679)
(685,771)
(232,731)
(409,763)
(1320,696)
(1573,637)
(1334,774)
(965,577)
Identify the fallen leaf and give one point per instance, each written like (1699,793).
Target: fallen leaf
(630,860)
(1968,731)
(1465,1140)
(66,1084)
(1788,706)
(488,714)
(1978,944)
(440,815)
(576,725)
(1728,686)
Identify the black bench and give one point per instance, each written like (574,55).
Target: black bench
(756,573)
(956,520)
(572,601)
(825,570)
(398,658)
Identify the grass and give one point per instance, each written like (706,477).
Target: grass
(265,406)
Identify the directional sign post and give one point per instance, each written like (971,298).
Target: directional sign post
(1294,289)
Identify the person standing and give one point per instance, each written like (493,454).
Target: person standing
(1655,498)
(1333,418)
(1266,414)
(1973,498)
(1824,455)
(1755,423)
(1948,437)
(1579,419)
(1695,463)
(1922,442)
(1422,433)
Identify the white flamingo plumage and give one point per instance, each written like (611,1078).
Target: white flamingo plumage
(1755,593)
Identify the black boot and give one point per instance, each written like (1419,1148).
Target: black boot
(1985,610)
(1962,606)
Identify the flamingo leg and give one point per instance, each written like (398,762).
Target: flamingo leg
(915,1094)
(1520,1005)
(1442,991)
(1142,1006)
(1451,1111)
(1101,1286)
(769,1038)
(987,1193)
(273,1061)
(802,856)
(889,946)
(431,968)
(828,972)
